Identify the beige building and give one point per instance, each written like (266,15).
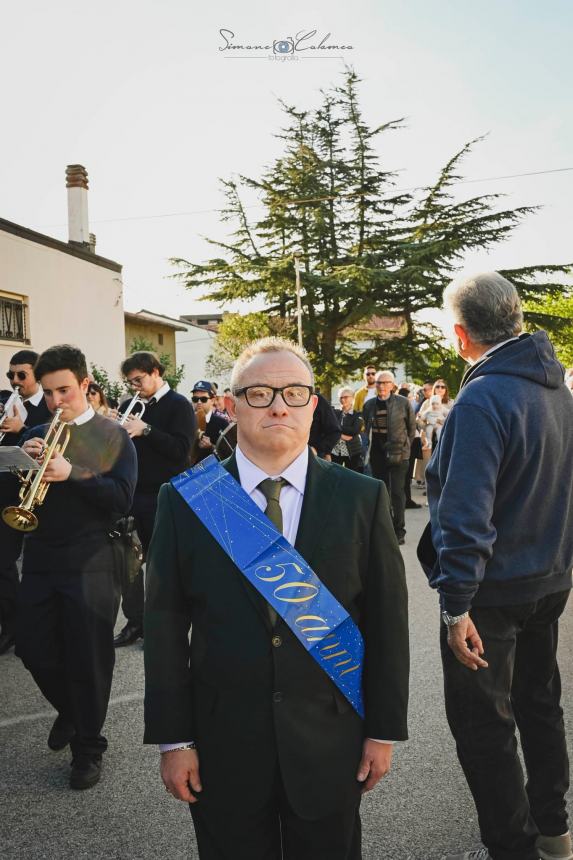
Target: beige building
(156,329)
(60,292)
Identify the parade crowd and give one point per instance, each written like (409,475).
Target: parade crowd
(121,507)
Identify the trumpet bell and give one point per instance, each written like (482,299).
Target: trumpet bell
(20,519)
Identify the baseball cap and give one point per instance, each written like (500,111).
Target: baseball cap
(203,385)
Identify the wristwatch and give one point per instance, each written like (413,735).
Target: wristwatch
(450,620)
(146,430)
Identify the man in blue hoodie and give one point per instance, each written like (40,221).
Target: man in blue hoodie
(499,550)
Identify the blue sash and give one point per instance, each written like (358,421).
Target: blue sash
(278,572)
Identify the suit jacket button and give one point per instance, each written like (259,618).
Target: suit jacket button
(277,641)
(277,697)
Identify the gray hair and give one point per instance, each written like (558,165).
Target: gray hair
(487,306)
(262,347)
(345,390)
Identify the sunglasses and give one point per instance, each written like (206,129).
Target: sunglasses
(370,373)
(200,399)
(439,386)
(20,374)
(93,391)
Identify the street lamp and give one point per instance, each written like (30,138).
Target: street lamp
(298,299)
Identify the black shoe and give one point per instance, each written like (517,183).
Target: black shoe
(6,642)
(411,504)
(130,634)
(86,771)
(61,734)
(401,541)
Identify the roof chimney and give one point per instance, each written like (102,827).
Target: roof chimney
(78,224)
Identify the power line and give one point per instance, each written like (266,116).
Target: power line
(304,201)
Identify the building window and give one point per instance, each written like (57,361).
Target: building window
(160,339)
(13,323)
(203,322)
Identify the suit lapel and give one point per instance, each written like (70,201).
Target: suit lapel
(319,493)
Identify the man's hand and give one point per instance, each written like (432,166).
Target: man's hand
(12,424)
(135,426)
(179,768)
(346,438)
(459,635)
(374,764)
(205,442)
(58,469)
(34,447)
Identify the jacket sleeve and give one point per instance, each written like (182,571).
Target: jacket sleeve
(463,532)
(168,696)
(384,626)
(410,422)
(176,444)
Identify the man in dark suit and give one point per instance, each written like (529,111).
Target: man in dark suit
(209,422)
(253,734)
(21,377)
(162,436)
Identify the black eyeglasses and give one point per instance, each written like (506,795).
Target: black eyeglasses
(21,374)
(261,396)
(439,386)
(200,399)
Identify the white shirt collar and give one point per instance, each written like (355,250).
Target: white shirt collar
(36,398)
(495,347)
(161,392)
(83,418)
(251,475)
(208,416)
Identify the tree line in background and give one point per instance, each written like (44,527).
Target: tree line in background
(366,249)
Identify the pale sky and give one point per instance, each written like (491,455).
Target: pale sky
(141,95)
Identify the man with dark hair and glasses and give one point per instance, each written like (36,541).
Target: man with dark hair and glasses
(162,436)
(272,757)
(210,423)
(21,378)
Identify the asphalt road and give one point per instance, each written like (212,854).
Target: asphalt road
(421,809)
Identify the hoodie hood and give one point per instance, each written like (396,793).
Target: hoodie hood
(531,357)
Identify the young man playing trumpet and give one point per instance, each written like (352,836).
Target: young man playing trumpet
(162,434)
(68,596)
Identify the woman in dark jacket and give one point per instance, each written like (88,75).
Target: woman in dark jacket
(348,450)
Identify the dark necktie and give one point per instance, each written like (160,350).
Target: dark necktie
(271,490)
(151,402)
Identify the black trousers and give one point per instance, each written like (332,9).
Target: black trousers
(415,454)
(274,832)
(133,594)
(521,687)
(353,462)
(11,546)
(64,636)
(394,477)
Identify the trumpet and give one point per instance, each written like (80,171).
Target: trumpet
(8,406)
(133,403)
(33,490)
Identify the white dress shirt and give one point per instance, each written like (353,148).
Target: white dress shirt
(35,398)
(84,417)
(159,393)
(291,498)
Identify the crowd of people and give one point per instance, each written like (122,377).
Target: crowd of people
(238,652)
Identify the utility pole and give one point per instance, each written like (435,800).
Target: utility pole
(298,299)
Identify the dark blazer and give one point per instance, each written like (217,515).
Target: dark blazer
(324,430)
(351,425)
(251,697)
